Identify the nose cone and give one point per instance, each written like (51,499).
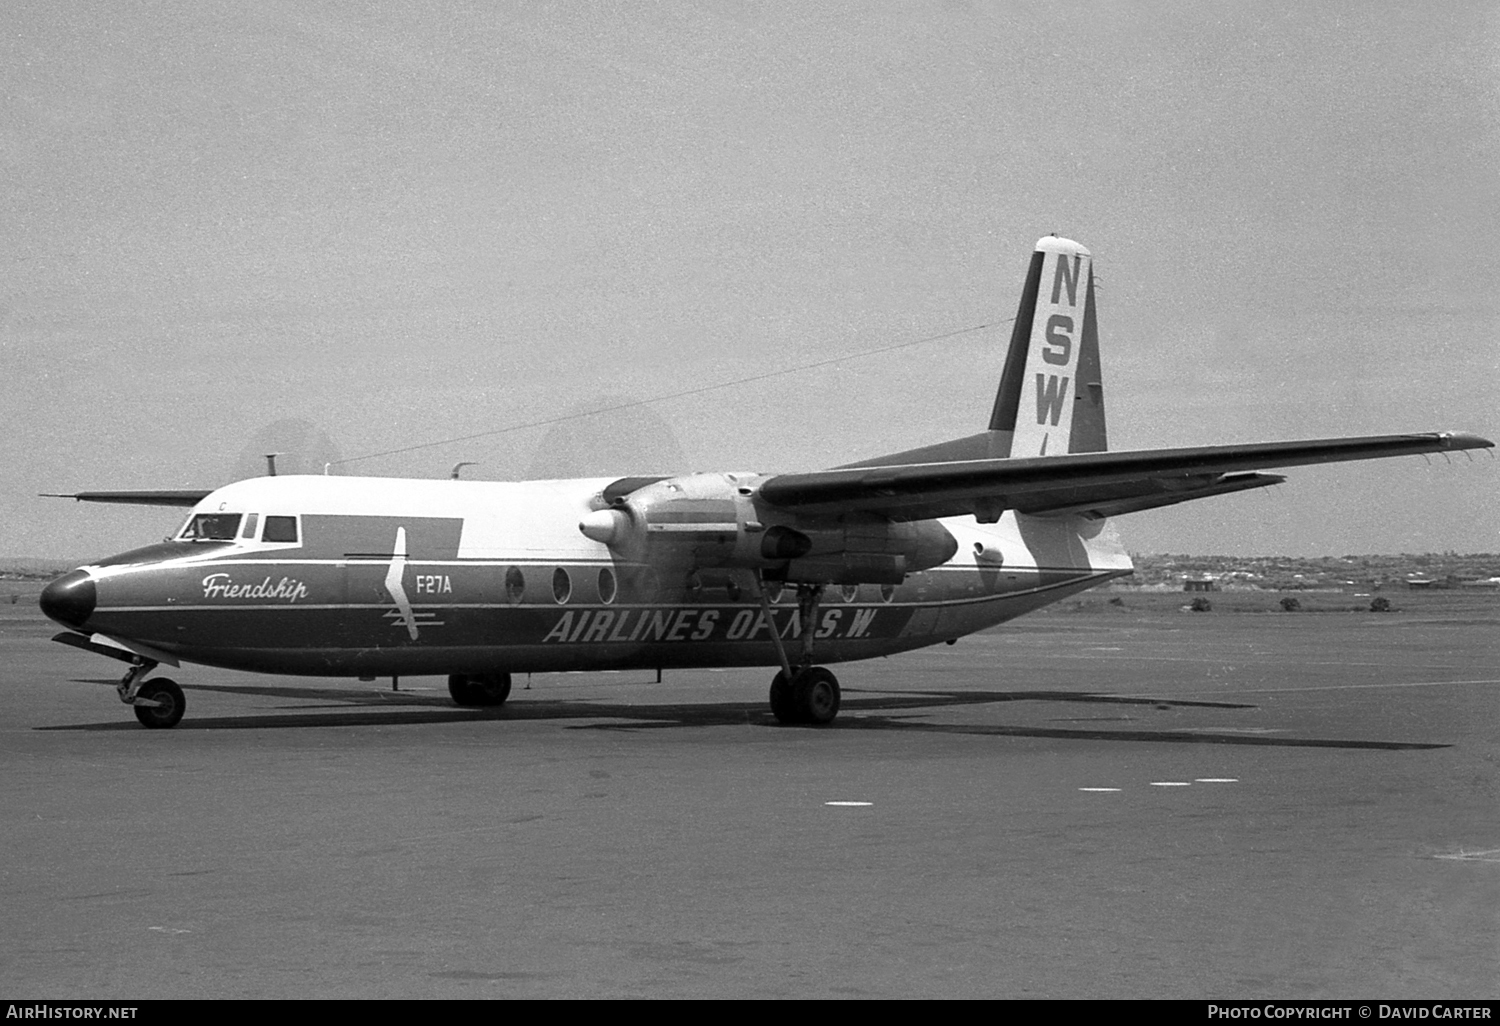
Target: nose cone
(70,599)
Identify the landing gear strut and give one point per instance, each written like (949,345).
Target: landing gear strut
(485,690)
(804,693)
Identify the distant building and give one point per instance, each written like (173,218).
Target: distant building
(1204,583)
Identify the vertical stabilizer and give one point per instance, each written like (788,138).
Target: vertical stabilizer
(1051,397)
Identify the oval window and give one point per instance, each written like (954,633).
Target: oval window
(887,592)
(773,592)
(849,591)
(515,584)
(562,585)
(606,586)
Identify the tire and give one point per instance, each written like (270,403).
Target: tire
(816,696)
(160,717)
(487,690)
(783,700)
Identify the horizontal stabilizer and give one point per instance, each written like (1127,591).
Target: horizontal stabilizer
(1118,481)
(148,498)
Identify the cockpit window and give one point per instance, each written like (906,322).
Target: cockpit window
(211,527)
(280,529)
(250,524)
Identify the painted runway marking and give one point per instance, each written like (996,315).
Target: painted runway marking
(1492,855)
(1170,783)
(1216,780)
(849,804)
(1098,789)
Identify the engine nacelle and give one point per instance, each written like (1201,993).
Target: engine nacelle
(714,520)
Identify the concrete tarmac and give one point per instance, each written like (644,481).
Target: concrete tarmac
(1101,802)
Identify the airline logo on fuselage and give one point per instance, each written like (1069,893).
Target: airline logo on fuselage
(669,624)
(223,586)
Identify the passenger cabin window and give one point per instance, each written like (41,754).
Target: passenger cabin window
(251,522)
(211,527)
(515,584)
(280,529)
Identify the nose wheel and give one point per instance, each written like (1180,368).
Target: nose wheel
(159,703)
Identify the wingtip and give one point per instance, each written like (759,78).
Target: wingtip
(1464,440)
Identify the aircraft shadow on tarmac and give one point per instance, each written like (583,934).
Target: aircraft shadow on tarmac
(862,710)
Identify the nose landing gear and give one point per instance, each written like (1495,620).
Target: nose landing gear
(158,703)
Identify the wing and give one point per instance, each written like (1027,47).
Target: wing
(1093,484)
(149,498)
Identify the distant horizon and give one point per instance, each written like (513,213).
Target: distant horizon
(14,562)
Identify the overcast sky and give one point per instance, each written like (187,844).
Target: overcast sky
(342,229)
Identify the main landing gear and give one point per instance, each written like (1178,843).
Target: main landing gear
(810,696)
(158,703)
(805,693)
(483,690)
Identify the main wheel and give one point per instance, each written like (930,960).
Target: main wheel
(815,696)
(168,704)
(783,699)
(487,690)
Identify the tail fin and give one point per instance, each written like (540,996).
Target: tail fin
(1051,398)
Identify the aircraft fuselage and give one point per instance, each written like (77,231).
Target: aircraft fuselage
(377,576)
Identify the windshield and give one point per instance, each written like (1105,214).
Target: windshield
(211,527)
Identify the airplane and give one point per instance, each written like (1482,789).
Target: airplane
(370,577)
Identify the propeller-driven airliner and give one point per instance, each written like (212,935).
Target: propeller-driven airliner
(477,580)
